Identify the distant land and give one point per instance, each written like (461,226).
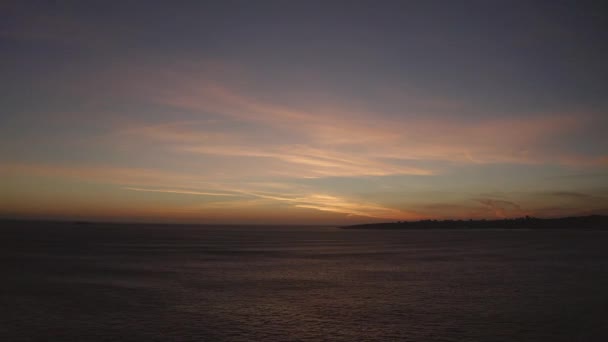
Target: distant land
(592,222)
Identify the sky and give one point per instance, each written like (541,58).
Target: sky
(302,112)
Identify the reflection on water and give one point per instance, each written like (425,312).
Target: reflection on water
(175,283)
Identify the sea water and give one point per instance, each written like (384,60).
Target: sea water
(104,282)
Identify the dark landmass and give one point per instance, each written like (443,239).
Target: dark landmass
(593,222)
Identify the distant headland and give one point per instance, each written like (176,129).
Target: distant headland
(592,222)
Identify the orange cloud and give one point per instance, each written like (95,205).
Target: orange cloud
(336,204)
(182,192)
(321,151)
(292,196)
(344,129)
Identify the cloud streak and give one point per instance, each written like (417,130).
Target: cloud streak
(347,132)
(182,192)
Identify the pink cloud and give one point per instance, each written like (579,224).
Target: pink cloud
(345,129)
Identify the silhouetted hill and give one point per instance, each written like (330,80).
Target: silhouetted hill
(595,222)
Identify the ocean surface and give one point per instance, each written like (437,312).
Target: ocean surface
(101,282)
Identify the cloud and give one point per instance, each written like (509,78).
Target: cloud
(295,196)
(338,143)
(330,203)
(502,208)
(316,201)
(182,192)
(245,123)
(350,207)
(210,111)
(312,162)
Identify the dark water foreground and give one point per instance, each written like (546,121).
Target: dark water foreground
(66,282)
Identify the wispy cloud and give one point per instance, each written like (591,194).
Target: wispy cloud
(317,156)
(236,195)
(346,132)
(182,192)
(316,201)
(332,203)
(315,163)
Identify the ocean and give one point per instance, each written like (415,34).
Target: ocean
(110,282)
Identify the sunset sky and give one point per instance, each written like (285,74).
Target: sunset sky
(302,112)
